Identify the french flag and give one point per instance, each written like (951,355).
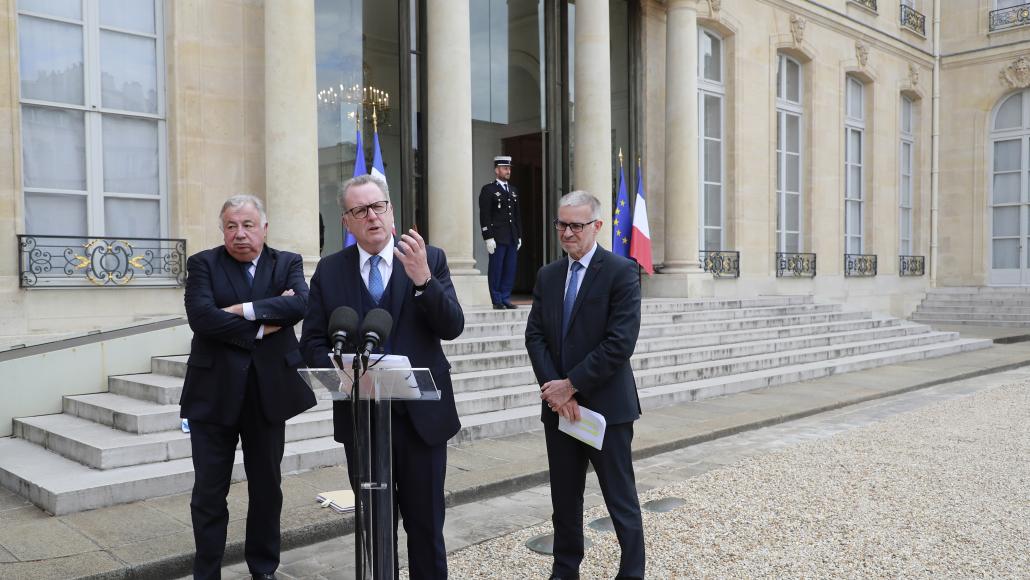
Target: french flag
(640,239)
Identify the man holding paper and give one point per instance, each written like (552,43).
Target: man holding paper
(581,333)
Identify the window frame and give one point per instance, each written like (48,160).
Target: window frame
(94,113)
(716,89)
(907,140)
(784,108)
(853,202)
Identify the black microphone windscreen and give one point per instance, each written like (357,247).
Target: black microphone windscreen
(378,321)
(343,318)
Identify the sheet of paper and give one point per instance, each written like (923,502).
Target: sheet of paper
(589,429)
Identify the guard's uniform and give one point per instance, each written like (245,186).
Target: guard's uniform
(501,220)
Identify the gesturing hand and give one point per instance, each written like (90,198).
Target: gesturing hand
(411,251)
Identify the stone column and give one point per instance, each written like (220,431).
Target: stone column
(593,109)
(681,169)
(291,129)
(449,146)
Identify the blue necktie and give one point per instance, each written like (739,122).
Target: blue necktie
(375,279)
(570,297)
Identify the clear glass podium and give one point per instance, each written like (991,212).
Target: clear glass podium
(378,387)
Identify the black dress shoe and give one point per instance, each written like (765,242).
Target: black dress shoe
(498,306)
(509,305)
(264,576)
(573,577)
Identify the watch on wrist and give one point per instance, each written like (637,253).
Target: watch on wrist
(422,287)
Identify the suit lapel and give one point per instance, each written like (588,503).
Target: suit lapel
(237,278)
(400,286)
(588,281)
(263,275)
(350,276)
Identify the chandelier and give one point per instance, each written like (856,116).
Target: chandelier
(368,101)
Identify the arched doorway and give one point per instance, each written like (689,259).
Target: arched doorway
(1009,201)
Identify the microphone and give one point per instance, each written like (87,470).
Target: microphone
(375,330)
(343,326)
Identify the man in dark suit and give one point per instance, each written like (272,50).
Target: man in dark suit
(242,300)
(410,280)
(581,333)
(501,225)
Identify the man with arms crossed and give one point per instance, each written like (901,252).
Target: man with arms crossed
(242,300)
(581,333)
(410,280)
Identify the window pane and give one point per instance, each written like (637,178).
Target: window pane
(854,146)
(793,243)
(779,76)
(132,218)
(853,223)
(906,115)
(1010,113)
(128,72)
(906,224)
(130,155)
(855,106)
(854,245)
(53,148)
(793,82)
(713,205)
(51,60)
(713,161)
(1006,221)
(713,239)
(793,134)
(793,212)
(55,214)
(906,190)
(793,173)
(906,158)
(711,48)
(1007,155)
(713,116)
(1006,187)
(1006,254)
(71,9)
(854,182)
(135,15)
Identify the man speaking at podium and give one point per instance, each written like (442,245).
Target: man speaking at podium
(411,281)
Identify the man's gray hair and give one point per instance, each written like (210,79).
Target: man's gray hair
(379,182)
(238,201)
(580,197)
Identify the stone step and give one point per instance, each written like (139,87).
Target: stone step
(981,316)
(492,329)
(157,387)
(971,322)
(62,486)
(678,346)
(102,447)
(974,308)
(706,367)
(946,300)
(520,419)
(980,290)
(497,344)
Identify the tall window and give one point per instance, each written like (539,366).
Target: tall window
(711,93)
(788,154)
(854,173)
(92,113)
(905,154)
(1010,190)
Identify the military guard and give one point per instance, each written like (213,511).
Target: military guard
(501,221)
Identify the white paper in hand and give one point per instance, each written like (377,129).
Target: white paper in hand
(589,429)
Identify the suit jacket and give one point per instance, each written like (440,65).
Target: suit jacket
(419,323)
(602,334)
(499,214)
(225,346)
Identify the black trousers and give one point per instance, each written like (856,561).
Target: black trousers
(419,471)
(214,450)
(567,459)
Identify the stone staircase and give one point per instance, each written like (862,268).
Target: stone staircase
(125,445)
(980,306)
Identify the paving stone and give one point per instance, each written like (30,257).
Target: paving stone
(10,500)
(175,506)
(23,514)
(90,564)
(6,556)
(155,549)
(326,478)
(43,539)
(124,524)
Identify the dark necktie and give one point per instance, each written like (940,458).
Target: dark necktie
(570,297)
(246,272)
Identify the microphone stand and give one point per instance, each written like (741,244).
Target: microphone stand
(359,508)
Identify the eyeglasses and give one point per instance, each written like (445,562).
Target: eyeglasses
(574,226)
(361,212)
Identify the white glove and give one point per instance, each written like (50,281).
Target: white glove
(491,246)
(519,245)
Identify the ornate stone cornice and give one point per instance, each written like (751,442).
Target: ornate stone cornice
(1017,74)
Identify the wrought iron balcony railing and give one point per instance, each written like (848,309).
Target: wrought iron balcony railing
(722,264)
(870,4)
(795,265)
(913,20)
(75,261)
(859,265)
(911,265)
(1010,17)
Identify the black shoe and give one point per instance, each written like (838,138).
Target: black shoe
(498,306)
(572,577)
(509,305)
(263,576)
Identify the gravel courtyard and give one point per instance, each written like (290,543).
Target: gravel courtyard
(943,492)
